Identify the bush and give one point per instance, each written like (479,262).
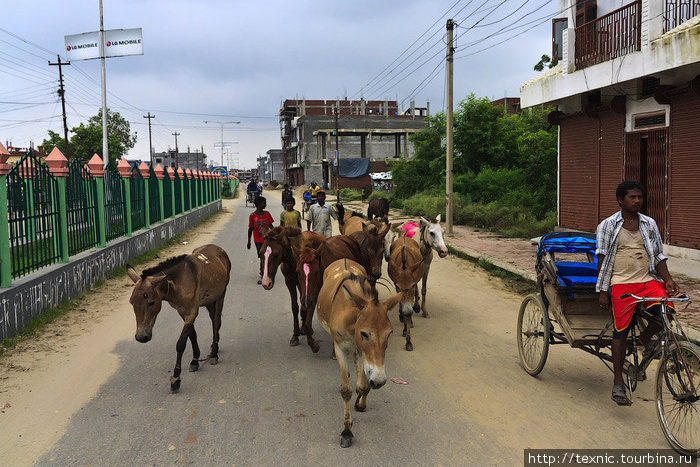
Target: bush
(379,194)
(350,194)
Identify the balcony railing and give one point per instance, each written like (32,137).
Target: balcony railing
(679,11)
(616,34)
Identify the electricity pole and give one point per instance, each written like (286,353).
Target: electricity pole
(337,160)
(449,200)
(61,93)
(150,144)
(177,162)
(222,136)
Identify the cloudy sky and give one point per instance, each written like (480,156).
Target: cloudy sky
(237,60)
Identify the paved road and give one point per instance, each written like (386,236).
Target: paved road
(265,403)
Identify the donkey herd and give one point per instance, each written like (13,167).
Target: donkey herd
(337,276)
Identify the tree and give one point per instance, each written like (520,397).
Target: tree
(87,139)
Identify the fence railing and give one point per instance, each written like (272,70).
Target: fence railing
(678,12)
(613,35)
(54,210)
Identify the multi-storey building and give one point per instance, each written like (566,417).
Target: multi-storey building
(627,96)
(374,131)
(270,166)
(187,160)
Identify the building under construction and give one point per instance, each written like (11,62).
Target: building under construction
(366,135)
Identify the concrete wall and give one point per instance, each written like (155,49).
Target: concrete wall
(51,286)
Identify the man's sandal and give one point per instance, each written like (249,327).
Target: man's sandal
(619,395)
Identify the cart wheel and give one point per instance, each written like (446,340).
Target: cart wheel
(533,334)
(677,391)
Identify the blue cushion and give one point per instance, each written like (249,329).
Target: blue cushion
(570,281)
(573,268)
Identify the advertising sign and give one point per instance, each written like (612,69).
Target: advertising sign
(118,42)
(221,170)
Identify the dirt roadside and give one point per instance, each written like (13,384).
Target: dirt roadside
(39,391)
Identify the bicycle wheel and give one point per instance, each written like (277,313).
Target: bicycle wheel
(533,334)
(676,407)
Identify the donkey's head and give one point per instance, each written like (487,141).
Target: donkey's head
(434,235)
(309,274)
(389,238)
(375,232)
(406,268)
(274,250)
(372,331)
(147,301)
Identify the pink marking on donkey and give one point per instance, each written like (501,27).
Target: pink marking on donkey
(410,229)
(266,279)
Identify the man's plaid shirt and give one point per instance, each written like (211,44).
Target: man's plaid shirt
(606,244)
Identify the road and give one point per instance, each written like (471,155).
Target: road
(265,403)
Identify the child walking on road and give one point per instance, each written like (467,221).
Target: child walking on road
(259,222)
(290,217)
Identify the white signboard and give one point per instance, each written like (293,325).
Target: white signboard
(118,42)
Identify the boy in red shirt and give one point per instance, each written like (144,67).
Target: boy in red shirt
(258,220)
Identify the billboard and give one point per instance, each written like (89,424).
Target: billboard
(118,43)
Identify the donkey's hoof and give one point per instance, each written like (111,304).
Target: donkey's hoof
(294,341)
(174,384)
(213,360)
(424,314)
(409,346)
(194,366)
(314,347)
(416,309)
(346,439)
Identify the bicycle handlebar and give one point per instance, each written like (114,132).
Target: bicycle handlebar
(680,298)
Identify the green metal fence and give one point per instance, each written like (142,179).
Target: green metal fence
(167,197)
(114,204)
(81,193)
(138,198)
(187,191)
(178,193)
(153,196)
(32,216)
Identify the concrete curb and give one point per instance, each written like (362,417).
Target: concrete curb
(690,331)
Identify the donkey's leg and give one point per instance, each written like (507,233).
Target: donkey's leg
(416,301)
(407,325)
(362,385)
(292,287)
(194,364)
(346,393)
(180,348)
(215,315)
(424,286)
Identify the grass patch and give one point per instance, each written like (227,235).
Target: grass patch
(350,194)
(513,282)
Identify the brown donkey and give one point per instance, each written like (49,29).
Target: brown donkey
(359,326)
(405,267)
(186,282)
(280,250)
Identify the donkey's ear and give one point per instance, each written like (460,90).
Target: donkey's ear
(396,225)
(133,275)
(424,221)
(359,300)
(394,300)
(437,219)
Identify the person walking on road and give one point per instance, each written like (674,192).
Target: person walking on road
(320,215)
(286,195)
(630,260)
(259,222)
(290,216)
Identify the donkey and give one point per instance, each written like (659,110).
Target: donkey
(370,236)
(359,326)
(405,267)
(186,282)
(378,207)
(279,250)
(431,237)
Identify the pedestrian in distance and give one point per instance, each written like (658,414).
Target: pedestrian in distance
(286,195)
(320,215)
(630,261)
(290,217)
(259,222)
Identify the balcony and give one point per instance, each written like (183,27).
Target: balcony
(616,34)
(678,12)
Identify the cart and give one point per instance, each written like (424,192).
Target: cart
(565,310)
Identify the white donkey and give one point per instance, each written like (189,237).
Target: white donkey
(431,237)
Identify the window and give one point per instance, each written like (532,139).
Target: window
(558,26)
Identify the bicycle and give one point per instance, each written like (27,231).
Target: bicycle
(677,377)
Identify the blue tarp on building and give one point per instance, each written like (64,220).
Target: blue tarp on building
(353,168)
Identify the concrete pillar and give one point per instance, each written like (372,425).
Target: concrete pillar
(172,181)
(652,21)
(180,180)
(146,175)
(5,265)
(160,175)
(568,62)
(97,172)
(125,174)
(58,167)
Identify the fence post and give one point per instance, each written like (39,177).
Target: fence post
(125,175)
(160,175)
(58,167)
(171,177)
(5,260)
(181,176)
(96,170)
(190,182)
(27,171)
(198,186)
(194,184)
(145,176)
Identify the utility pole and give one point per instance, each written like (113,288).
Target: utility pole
(449,200)
(177,162)
(222,136)
(150,144)
(61,92)
(337,160)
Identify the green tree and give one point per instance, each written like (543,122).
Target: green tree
(478,135)
(54,140)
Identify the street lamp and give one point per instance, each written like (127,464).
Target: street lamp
(222,135)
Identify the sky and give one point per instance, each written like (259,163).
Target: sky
(237,60)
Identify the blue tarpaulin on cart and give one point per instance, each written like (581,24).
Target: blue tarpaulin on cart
(353,168)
